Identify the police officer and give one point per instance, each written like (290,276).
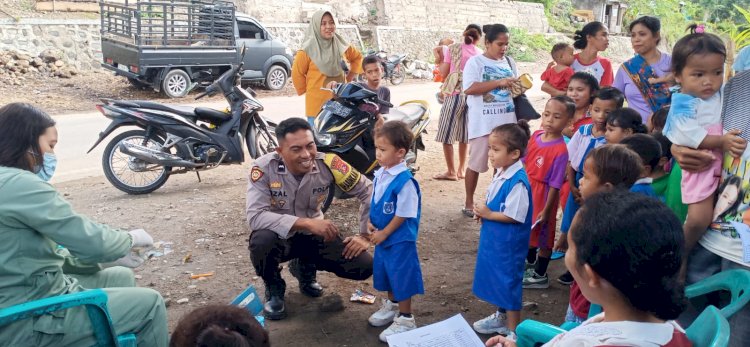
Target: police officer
(285,193)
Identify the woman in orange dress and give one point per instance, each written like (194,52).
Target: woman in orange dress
(319,62)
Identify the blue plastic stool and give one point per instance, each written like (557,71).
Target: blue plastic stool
(94,300)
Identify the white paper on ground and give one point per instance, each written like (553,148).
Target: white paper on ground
(452,332)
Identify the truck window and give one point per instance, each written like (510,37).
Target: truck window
(249,30)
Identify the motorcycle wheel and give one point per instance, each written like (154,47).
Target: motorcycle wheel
(398,74)
(131,175)
(259,142)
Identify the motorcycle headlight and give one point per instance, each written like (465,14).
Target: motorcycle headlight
(325,139)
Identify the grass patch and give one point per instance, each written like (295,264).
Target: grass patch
(525,47)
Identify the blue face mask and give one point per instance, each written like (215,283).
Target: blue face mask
(49,164)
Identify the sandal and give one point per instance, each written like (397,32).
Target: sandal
(557,255)
(444,177)
(467,212)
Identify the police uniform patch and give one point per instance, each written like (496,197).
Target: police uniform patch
(339,165)
(256,173)
(345,176)
(276,185)
(281,203)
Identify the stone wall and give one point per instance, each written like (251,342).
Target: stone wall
(79,40)
(456,14)
(294,33)
(418,43)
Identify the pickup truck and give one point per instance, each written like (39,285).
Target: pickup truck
(175,46)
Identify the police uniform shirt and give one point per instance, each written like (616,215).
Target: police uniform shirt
(516,205)
(276,199)
(408,199)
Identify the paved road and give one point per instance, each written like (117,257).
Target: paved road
(78,132)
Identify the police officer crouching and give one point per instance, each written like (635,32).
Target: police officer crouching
(285,193)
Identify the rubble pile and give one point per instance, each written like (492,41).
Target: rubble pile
(15,65)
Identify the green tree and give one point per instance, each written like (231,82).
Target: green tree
(714,11)
(675,15)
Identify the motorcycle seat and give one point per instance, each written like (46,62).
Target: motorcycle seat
(211,115)
(409,113)
(185,111)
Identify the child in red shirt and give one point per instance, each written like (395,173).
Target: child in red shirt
(558,74)
(545,163)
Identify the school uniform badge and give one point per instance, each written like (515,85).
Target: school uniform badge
(388,207)
(255,174)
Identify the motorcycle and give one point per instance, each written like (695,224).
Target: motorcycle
(345,126)
(394,66)
(178,139)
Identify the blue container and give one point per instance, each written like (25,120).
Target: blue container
(250,301)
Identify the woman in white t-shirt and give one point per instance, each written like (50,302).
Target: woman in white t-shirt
(486,82)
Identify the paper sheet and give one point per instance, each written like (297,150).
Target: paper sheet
(452,332)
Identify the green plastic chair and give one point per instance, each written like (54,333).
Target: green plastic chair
(710,329)
(94,300)
(736,282)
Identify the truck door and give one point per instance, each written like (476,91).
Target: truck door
(258,47)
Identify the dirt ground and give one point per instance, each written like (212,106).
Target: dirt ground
(82,92)
(206,221)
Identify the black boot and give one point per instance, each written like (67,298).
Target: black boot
(305,274)
(274,308)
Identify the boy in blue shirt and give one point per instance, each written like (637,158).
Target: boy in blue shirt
(394,222)
(650,152)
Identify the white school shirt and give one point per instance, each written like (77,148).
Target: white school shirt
(495,107)
(596,332)
(408,200)
(517,202)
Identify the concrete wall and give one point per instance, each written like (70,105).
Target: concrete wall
(79,40)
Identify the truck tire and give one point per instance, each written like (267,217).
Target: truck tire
(176,83)
(276,78)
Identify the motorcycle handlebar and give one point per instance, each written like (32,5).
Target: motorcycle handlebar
(385,103)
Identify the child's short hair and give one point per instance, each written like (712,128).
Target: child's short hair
(570,105)
(370,59)
(515,136)
(559,48)
(616,165)
(646,146)
(610,93)
(397,133)
(627,118)
(665,144)
(635,243)
(659,118)
(219,325)
(697,42)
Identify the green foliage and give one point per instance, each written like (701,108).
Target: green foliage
(740,34)
(715,11)
(674,16)
(525,47)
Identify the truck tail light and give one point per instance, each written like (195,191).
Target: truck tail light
(133,69)
(109,61)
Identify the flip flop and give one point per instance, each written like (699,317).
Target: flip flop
(467,212)
(557,255)
(444,177)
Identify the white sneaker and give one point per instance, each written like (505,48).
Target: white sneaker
(494,323)
(388,310)
(400,324)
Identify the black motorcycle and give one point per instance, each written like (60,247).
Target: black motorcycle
(178,139)
(394,66)
(345,125)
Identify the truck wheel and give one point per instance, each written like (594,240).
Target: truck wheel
(276,78)
(176,83)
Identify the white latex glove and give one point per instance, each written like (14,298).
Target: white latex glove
(131,260)
(141,239)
